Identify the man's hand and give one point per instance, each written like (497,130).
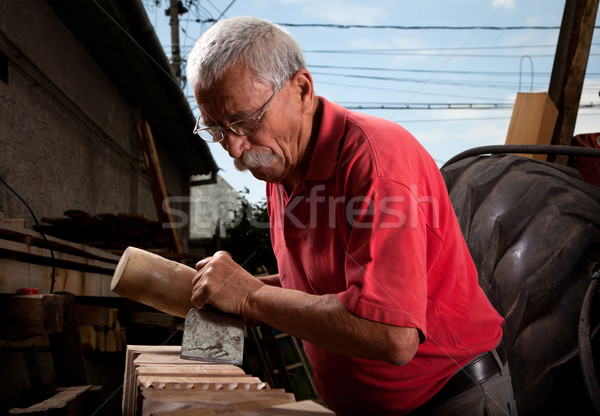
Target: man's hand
(224,284)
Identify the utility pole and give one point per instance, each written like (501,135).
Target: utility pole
(570,63)
(175,9)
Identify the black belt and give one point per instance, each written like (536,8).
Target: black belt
(475,372)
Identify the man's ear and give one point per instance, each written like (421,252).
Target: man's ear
(303,83)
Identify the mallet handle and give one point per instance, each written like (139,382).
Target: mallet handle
(154,281)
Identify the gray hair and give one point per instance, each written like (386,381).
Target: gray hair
(268,50)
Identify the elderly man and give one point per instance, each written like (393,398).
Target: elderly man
(374,274)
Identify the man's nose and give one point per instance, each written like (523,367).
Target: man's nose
(235,144)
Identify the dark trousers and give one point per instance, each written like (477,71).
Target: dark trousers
(493,397)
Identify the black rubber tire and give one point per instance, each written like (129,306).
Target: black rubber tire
(586,353)
(533,229)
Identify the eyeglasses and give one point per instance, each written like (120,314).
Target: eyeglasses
(243,127)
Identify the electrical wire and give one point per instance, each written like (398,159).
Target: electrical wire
(340,26)
(428,71)
(41,233)
(437,49)
(469,83)
(424,71)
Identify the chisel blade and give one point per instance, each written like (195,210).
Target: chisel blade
(213,336)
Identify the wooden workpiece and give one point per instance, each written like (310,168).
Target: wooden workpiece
(189,402)
(159,383)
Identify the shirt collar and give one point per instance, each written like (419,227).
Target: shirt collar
(324,159)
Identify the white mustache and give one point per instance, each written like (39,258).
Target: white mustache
(249,160)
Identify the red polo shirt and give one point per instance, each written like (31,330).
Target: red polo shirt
(372,222)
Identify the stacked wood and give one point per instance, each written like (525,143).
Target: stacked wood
(158,382)
(100,328)
(107,231)
(40,349)
(28,260)
(17,222)
(30,315)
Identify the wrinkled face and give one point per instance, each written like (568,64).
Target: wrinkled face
(273,150)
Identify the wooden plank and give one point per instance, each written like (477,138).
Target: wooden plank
(110,341)
(92,315)
(161,358)
(532,121)
(43,255)
(158,402)
(31,237)
(112,317)
(129,403)
(170,386)
(302,408)
(192,369)
(223,382)
(89,337)
(15,275)
(60,401)
(15,222)
(169,408)
(215,396)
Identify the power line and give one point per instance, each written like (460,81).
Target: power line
(427,71)
(438,49)
(427,53)
(442,120)
(224,11)
(470,83)
(438,120)
(427,106)
(340,26)
(443,106)
(387,89)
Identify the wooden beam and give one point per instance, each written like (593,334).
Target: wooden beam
(570,62)
(15,275)
(22,316)
(67,351)
(532,121)
(157,185)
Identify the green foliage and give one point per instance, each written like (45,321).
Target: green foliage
(248,237)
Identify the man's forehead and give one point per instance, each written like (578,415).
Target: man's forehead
(230,103)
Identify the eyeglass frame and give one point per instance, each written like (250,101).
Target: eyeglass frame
(222,130)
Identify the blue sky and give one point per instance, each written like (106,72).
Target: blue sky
(415,67)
